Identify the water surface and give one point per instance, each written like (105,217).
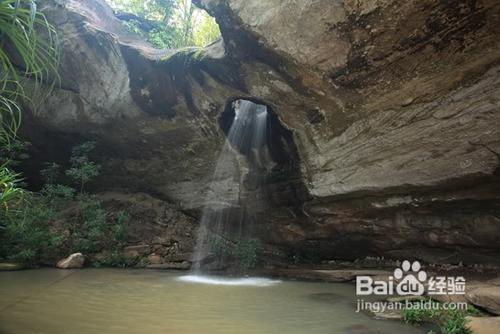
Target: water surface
(144,301)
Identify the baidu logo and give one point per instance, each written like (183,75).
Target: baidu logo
(410,279)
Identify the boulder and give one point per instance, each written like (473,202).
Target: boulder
(487,298)
(484,325)
(73,261)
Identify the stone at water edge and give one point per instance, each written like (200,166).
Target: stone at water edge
(6,266)
(484,325)
(73,261)
(184,265)
(487,298)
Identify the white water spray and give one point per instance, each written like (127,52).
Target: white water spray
(226,215)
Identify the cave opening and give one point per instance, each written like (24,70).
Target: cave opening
(168,24)
(273,158)
(277,138)
(256,174)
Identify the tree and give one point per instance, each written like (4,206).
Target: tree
(184,19)
(168,23)
(206,32)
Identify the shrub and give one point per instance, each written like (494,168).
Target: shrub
(450,321)
(245,251)
(82,168)
(414,316)
(455,323)
(9,189)
(220,247)
(242,251)
(49,225)
(117,259)
(28,236)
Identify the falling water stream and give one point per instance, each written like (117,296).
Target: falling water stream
(227,214)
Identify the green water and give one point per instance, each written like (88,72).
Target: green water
(142,301)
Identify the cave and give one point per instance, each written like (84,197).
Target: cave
(301,140)
(278,138)
(275,163)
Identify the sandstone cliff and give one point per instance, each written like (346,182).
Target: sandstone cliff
(387,114)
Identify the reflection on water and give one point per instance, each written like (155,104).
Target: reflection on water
(139,301)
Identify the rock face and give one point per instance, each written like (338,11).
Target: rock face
(158,231)
(487,298)
(74,261)
(484,325)
(389,114)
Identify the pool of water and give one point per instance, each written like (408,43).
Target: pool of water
(143,301)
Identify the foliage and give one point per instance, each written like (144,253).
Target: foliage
(221,247)
(472,310)
(455,324)
(36,55)
(61,220)
(414,316)
(50,172)
(243,251)
(11,183)
(28,236)
(82,168)
(22,47)
(206,31)
(246,253)
(9,191)
(450,321)
(170,23)
(117,259)
(12,155)
(96,232)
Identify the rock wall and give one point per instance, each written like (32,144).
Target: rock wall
(393,110)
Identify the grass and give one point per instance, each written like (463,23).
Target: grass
(449,321)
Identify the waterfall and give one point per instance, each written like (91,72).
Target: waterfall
(229,205)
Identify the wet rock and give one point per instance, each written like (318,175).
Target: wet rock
(152,218)
(450,298)
(399,299)
(73,261)
(341,275)
(495,281)
(179,257)
(185,265)
(7,266)
(487,298)
(388,315)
